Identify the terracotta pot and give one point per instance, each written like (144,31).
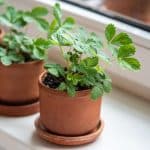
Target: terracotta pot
(19,83)
(2,33)
(139,9)
(64,115)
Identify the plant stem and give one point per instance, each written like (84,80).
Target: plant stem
(62,52)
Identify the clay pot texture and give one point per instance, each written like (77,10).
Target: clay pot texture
(19,83)
(69,116)
(2,33)
(139,9)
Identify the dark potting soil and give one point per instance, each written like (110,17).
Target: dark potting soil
(52,81)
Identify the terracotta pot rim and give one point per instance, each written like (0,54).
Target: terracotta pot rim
(24,64)
(62,93)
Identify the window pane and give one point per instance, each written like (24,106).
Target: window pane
(134,12)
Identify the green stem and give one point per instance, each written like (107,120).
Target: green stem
(62,52)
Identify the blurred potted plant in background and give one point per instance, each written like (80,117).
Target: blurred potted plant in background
(138,9)
(71,96)
(21,60)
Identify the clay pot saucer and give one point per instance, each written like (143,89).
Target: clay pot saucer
(19,110)
(67,140)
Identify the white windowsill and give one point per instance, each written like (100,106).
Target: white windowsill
(127,127)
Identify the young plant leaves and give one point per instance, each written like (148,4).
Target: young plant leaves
(39,11)
(122,39)
(6,60)
(126,51)
(53,27)
(130,63)
(57,13)
(2,52)
(96,92)
(110,32)
(43,24)
(90,62)
(71,90)
(62,86)
(55,69)
(68,23)
(107,85)
(17,19)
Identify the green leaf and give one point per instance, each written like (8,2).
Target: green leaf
(122,39)
(79,46)
(62,86)
(71,90)
(110,32)
(13,18)
(107,85)
(39,53)
(2,52)
(1,2)
(27,17)
(11,13)
(39,11)
(62,38)
(126,51)
(26,40)
(96,92)
(42,23)
(6,60)
(91,71)
(72,57)
(74,78)
(68,23)
(80,38)
(20,23)
(130,63)
(95,41)
(16,58)
(57,13)
(99,69)
(53,27)
(53,71)
(5,21)
(90,62)
(25,49)
(42,43)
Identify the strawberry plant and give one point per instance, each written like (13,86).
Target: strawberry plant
(84,52)
(17,47)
